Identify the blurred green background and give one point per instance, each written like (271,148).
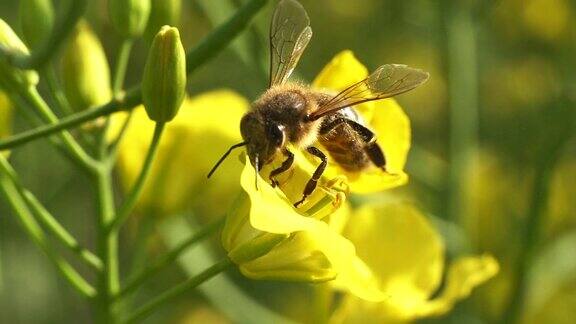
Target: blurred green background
(493,161)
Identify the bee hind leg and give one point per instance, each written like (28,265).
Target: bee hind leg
(311,185)
(371,147)
(282,168)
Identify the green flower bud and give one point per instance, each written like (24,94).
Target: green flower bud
(11,41)
(36,20)
(5,116)
(85,70)
(129,17)
(5,119)
(163,12)
(164,79)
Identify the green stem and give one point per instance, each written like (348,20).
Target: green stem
(121,65)
(113,148)
(131,100)
(49,221)
(107,246)
(77,152)
(179,290)
(56,90)
(117,86)
(65,238)
(34,231)
(208,48)
(48,47)
(36,111)
(136,190)
(169,258)
(463,88)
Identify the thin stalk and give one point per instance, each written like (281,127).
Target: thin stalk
(46,219)
(463,89)
(49,47)
(34,231)
(113,148)
(178,291)
(117,86)
(207,49)
(61,234)
(77,152)
(108,284)
(169,258)
(56,91)
(121,65)
(131,100)
(136,190)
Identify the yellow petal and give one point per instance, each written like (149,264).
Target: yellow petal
(341,72)
(401,248)
(295,259)
(385,117)
(464,274)
(392,128)
(407,255)
(270,211)
(316,255)
(190,146)
(324,200)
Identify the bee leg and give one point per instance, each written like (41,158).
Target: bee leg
(285,166)
(311,185)
(372,149)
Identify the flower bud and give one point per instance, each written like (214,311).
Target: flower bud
(10,41)
(164,79)
(5,115)
(163,12)
(5,118)
(85,70)
(129,17)
(36,20)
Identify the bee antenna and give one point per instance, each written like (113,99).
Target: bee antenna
(256,168)
(224,157)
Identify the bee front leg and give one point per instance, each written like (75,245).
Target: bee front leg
(311,185)
(285,166)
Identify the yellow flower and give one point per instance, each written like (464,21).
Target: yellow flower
(406,255)
(270,239)
(190,145)
(385,117)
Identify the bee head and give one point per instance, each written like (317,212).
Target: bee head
(263,139)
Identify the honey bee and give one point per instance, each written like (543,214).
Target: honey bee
(296,114)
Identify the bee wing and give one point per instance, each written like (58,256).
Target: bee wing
(290,33)
(387,81)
